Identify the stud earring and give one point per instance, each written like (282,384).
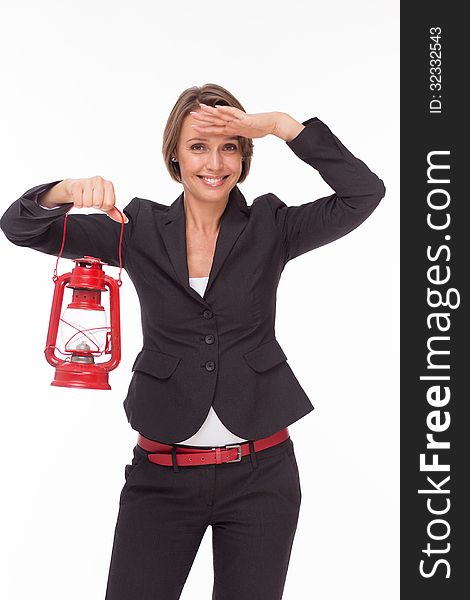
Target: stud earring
(173,159)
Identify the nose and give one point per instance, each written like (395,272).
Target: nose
(215,160)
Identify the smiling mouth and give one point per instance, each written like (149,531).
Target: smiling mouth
(213,181)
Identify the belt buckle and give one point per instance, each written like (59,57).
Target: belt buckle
(239,453)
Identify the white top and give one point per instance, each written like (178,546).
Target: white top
(212,432)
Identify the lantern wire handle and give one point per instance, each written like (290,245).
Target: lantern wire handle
(119,281)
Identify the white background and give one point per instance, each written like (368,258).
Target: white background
(87,88)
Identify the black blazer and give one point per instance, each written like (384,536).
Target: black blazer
(219,349)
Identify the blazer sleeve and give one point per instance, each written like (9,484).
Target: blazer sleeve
(26,223)
(357,189)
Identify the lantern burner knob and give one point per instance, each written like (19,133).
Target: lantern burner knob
(82,347)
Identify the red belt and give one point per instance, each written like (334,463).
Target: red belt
(193,455)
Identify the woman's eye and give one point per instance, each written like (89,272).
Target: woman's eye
(197,146)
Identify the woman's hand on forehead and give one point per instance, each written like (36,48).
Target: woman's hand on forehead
(228,120)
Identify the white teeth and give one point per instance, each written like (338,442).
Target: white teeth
(212,180)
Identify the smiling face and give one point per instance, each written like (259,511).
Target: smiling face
(210,165)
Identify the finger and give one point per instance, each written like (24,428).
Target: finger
(199,118)
(228,122)
(115,216)
(206,107)
(230,111)
(228,126)
(215,129)
(77,194)
(220,107)
(109,199)
(88,194)
(222,111)
(97,196)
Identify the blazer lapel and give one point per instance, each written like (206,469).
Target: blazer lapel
(233,221)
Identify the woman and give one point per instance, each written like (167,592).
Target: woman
(212,393)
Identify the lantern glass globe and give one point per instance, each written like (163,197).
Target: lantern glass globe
(82,329)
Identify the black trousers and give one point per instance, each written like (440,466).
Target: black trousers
(253,508)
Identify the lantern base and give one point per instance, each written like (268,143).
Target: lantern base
(77,375)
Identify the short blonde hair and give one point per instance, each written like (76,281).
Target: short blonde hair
(210,94)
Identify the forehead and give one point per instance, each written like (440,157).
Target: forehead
(188,134)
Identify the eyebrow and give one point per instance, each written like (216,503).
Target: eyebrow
(204,139)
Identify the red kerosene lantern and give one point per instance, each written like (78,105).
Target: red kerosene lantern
(83,324)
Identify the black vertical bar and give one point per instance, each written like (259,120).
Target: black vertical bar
(435,236)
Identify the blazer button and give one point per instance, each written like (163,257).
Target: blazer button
(207,314)
(210,339)
(210,365)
